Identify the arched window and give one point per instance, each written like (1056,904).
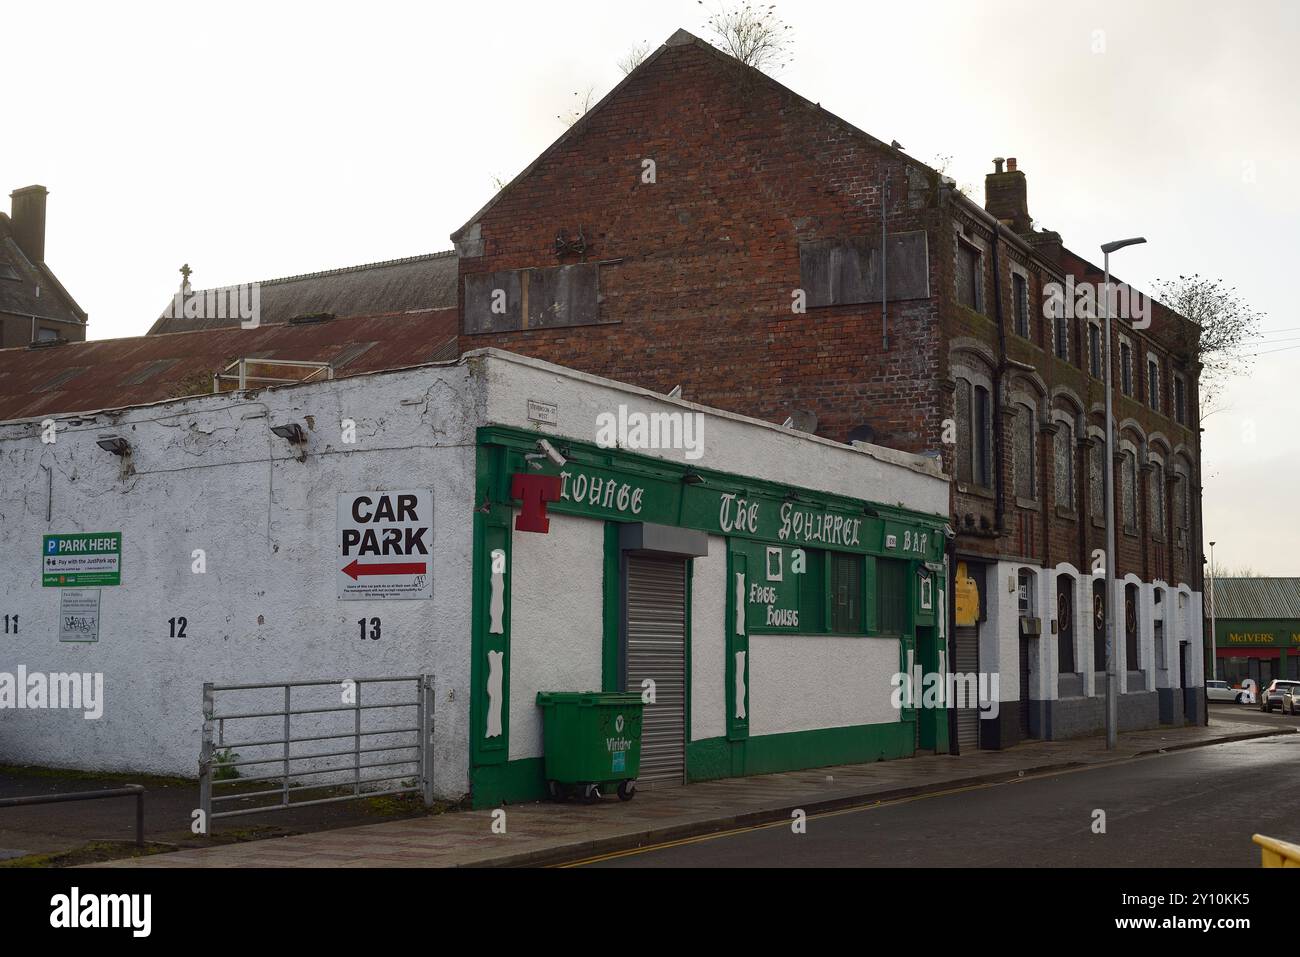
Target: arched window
(1098,624)
(974,434)
(1064,447)
(1131,626)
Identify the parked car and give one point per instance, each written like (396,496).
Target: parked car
(1291,699)
(1222,691)
(1271,696)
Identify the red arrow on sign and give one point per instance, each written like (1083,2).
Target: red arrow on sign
(354,569)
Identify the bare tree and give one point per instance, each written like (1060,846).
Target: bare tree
(1226,324)
(584,100)
(752,33)
(1218,570)
(634,57)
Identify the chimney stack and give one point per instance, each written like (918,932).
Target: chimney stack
(1006,196)
(27,211)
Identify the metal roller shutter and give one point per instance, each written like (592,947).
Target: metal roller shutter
(967,661)
(656,649)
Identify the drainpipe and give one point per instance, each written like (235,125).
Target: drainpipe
(1000,490)
(950,558)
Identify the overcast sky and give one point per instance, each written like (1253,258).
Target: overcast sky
(257,140)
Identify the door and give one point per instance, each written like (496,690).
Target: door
(1024,687)
(655,649)
(967,663)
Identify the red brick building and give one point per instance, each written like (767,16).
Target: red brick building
(705,227)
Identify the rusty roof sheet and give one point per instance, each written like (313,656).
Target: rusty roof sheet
(114,373)
(1256,598)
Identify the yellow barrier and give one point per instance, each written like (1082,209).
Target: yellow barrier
(1275,853)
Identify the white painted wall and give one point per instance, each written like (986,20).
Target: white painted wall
(804,682)
(732,442)
(556,625)
(708,642)
(208,474)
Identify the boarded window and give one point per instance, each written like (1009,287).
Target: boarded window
(964,445)
(1020,290)
(1096,480)
(1063,337)
(834,272)
(1128,491)
(1098,625)
(1064,466)
(532,299)
(1025,459)
(982,438)
(968,275)
(1156,496)
(1065,623)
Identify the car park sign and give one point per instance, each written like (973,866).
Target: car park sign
(81,560)
(385,545)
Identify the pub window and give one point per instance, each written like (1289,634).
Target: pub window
(968,275)
(1094,350)
(1153,384)
(1156,500)
(1020,289)
(891,596)
(1025,459)
(1125,367)
(1128,491)
(846,593)
(1064,466)
(1180,400)
(1096,481)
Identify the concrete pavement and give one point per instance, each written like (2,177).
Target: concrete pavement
(544,833)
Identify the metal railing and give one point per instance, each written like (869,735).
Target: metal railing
(389,739)
(130,790)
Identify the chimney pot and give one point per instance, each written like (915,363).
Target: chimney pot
(1011,164)
(27,211)
(997,164)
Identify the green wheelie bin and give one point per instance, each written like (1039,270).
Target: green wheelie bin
(592,741)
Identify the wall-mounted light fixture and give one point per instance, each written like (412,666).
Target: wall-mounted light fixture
(115,444)
(295,435)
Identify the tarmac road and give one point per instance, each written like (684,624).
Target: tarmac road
(1194,808)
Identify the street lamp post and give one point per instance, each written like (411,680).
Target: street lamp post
(1214,636)
(1111,701)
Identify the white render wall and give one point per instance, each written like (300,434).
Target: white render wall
(709,643)
(208,474)
(805,682)
(556,621)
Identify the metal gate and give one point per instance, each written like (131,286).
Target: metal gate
(967,662)
(257,726)
(655,610)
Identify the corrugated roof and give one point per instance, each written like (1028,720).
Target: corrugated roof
(388,288)
(1256,598)
(113,373)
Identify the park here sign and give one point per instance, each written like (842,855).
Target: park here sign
(81,560)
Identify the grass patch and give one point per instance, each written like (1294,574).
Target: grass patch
(93,853)
(121,777)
